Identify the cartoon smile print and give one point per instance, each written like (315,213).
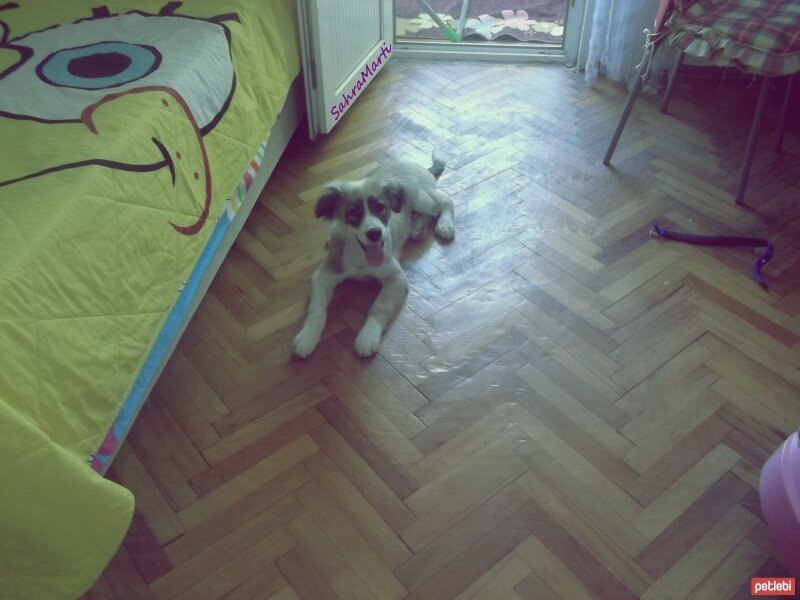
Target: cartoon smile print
(78,91)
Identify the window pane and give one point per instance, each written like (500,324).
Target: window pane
(527,21)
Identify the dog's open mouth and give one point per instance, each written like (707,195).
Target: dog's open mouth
(373,252)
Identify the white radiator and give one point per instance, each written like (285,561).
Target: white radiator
(345,43)
(349,34)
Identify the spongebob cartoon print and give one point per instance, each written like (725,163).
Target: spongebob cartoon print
(92,78)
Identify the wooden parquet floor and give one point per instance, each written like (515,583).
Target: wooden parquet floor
(566,407)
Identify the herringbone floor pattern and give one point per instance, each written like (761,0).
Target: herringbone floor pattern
(566,407)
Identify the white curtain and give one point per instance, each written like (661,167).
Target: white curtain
(616,41)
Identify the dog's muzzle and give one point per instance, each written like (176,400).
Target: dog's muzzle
(373,252)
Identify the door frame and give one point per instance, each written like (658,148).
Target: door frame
(316,86)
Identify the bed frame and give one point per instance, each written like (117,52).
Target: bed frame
(280,134)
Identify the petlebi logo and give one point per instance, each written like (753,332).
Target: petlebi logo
(367,73)
(772,586)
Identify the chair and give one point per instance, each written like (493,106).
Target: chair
(756,36)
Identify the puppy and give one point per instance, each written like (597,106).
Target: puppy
(371,219)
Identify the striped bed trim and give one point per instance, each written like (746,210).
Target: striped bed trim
(186,293)
(241,190)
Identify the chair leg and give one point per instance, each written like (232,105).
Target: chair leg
(671,83)
(784,112)
(626,112)
(752,142)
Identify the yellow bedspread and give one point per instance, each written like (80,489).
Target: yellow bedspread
(123,133)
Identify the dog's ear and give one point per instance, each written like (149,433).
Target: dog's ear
(328,203)
(394,194)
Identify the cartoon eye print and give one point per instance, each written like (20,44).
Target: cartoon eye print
(65,69)
(104,71)
(99,66)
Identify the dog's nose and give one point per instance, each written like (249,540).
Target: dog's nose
(373,235)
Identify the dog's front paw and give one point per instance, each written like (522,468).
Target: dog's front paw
(369,338)
(445,228)
(304,343)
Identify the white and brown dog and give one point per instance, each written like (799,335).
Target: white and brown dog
(371,219)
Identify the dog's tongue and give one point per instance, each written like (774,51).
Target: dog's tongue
(374,254)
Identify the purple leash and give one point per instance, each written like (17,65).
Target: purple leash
(713,240)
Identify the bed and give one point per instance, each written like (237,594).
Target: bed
(133,144)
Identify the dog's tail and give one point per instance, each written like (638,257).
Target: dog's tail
(438,165)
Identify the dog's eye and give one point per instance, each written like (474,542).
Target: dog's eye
(352,214)
(381,208)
